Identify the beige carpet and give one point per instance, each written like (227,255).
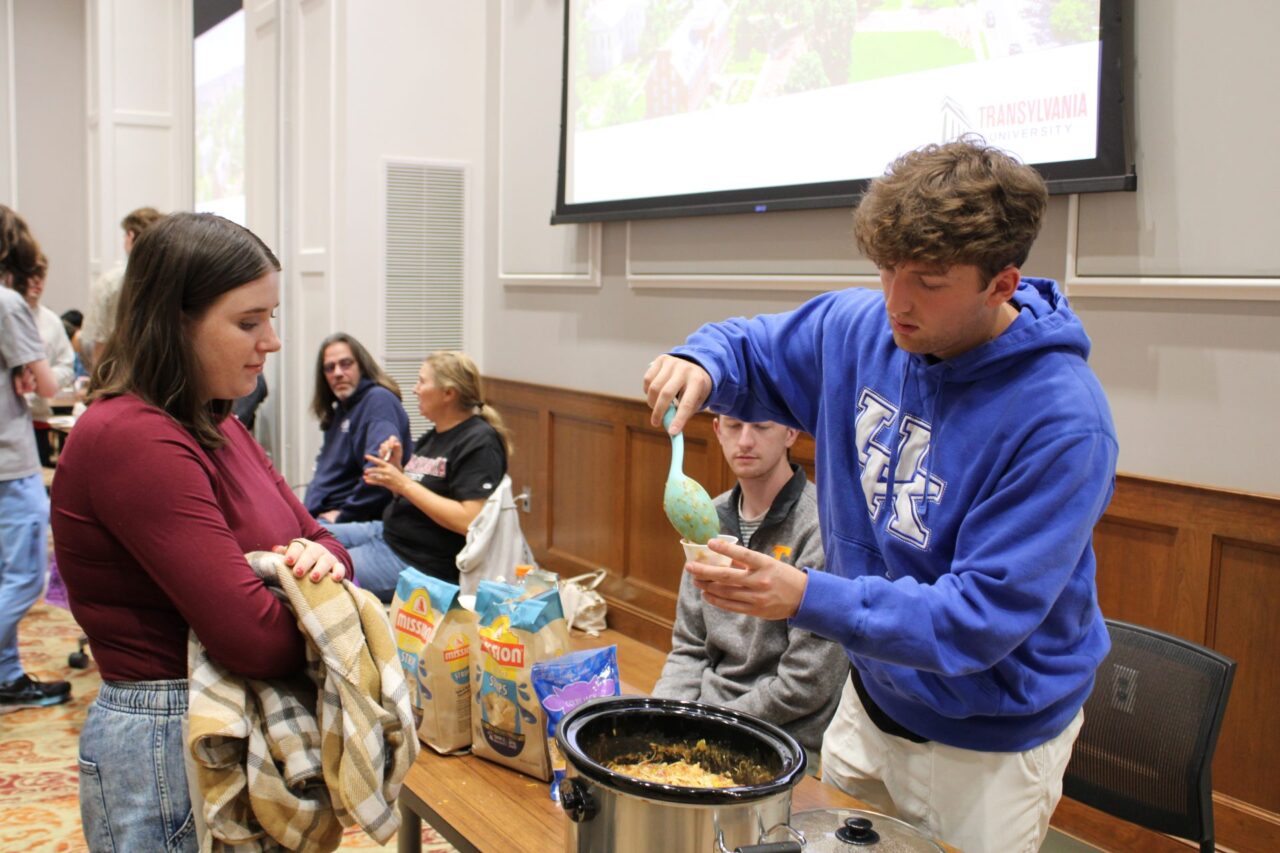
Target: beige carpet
(39,809)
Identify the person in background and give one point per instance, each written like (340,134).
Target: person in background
(358,406)
(72,320)
(246,408)
(24,507)
(160,493)
(782,674)
(104,294)
(454,468)
(965,452)
(58,353)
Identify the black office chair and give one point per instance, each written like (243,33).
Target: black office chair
(1150,727)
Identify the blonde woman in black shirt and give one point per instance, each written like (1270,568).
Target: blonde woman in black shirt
(440,490)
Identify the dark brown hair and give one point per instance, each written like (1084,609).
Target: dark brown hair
(963,202)
(323,398)
(20,257)
(178,268)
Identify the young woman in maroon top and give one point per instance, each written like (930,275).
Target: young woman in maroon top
(159,495)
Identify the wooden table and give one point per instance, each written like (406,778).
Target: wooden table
(66,398)
(478,805)
(59,427)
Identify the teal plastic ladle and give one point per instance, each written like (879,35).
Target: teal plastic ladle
(686,503)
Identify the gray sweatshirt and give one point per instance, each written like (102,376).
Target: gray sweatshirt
(790,677)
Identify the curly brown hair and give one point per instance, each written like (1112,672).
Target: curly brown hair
(962,202)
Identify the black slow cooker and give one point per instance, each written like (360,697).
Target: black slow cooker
(609,811)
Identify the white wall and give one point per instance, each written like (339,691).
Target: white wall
(312,100)
(94,122)
(1187,378)
(1194,387)
(138,109)
(8,126)
(363,85)
(415,83)
(47,177)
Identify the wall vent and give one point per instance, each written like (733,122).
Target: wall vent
(425,264)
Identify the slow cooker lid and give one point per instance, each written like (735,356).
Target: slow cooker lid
(852,830)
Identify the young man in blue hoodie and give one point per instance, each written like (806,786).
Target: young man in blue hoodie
(359,407)
(965,452)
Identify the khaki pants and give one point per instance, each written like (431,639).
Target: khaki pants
(977,801)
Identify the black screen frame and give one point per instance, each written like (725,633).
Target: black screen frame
(1111,170)
(207,14)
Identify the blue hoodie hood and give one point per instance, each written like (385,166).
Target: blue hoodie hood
(957,500)
(1044,322)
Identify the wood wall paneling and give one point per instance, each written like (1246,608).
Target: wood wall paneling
(1245,765)
(1146,592)
(583,527)
(802,453)
(526,471)
(653,560)
(1240,825)
(1203,564)
(1200,563)
(1105,832)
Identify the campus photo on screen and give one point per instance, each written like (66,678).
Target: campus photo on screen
(673,97)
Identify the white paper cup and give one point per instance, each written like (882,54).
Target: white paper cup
(695,553)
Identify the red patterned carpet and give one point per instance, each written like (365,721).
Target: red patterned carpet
(39,810)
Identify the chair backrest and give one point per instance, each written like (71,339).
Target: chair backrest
(1150,727)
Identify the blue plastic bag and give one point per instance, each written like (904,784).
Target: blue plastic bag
(566,682)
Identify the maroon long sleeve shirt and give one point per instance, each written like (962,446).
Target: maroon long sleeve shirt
(150,531)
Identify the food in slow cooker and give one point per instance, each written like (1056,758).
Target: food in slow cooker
(684,773)
(688,765)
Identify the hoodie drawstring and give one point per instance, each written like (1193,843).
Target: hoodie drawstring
(935,431)
(891,473)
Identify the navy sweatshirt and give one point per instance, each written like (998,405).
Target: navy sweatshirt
(360,424)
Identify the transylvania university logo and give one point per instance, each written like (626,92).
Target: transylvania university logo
(912,482)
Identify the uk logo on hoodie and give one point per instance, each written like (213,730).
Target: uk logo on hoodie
(903,451)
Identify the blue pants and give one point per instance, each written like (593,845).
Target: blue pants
(24,559)
(133,778)
(377,566)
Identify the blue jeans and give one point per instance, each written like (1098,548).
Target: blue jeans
(133,778)
(377,566)
(24,559)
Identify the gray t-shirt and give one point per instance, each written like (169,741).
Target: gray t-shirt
(19,344)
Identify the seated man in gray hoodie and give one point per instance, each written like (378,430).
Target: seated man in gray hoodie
(790,677)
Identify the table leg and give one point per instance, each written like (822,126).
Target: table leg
(410,838)
(414,809)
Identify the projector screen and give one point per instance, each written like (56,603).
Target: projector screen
(686,107)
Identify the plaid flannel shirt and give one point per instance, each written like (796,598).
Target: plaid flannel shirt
(288,763)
